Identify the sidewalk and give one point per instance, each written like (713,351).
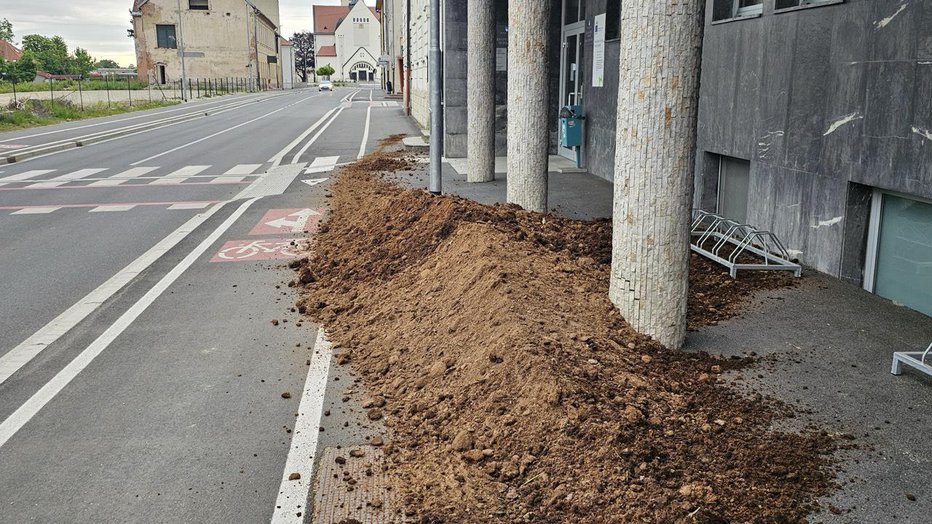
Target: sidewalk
(826,349)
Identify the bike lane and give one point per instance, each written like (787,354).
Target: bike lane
(182,417)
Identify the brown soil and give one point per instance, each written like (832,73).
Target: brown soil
(513,389)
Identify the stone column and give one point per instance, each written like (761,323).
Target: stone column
(480,104)
(655,137)
(528,82)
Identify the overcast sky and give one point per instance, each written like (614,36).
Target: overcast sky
(100,25)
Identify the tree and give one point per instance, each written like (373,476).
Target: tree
(106,63)
(325,70)
(303,52)
(656,137)
(6,30)
(81,63)
(49,54)
(23,70)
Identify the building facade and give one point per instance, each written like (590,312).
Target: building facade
(220,39)
(814,119)
(348,38)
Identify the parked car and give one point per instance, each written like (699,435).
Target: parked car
(325,85)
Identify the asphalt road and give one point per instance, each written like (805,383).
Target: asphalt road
(141,373)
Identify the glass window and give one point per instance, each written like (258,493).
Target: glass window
(165,35)
(734,182)
(612,19)
(787,4)
(573,11)
(199,5)
(725,9)
(904,253)
(748,7)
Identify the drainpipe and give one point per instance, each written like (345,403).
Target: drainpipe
(407,71)
(436,99)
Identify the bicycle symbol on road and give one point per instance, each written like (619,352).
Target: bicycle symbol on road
(252,250)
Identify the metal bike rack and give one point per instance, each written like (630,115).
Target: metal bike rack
(711,235)
(912,359)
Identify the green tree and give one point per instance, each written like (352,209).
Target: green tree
(6,30)
(49,54)
(325,70)
(106,63)
(81,63)
(23,70)
(303,52)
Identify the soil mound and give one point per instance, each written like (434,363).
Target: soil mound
(514,390)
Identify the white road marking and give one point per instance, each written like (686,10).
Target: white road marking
(35,210)
(19,356)
(179,176)
(63,179)
(277,159)
(313,139)
(293,494)
(125,176)
(365,134)
(25,176)
(24,413)
(192,205)
(315,181)
(322,164)
(111,208)
(218,133)
(241,169)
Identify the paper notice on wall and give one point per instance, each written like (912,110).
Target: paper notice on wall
(501,59)
(598,52)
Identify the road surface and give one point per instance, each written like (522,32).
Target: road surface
(141,372)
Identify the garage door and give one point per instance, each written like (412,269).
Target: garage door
(903,271)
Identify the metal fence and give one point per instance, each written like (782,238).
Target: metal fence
(126,91)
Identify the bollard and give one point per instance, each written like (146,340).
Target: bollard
(81,94)
(129,92)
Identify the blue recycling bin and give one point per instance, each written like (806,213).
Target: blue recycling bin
(571,126)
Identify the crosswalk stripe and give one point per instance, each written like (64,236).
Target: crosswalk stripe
(63,179)
(322,164)
(25,176)
(35,210)
(111,208)
(241,169)
(179,176)
(123,177)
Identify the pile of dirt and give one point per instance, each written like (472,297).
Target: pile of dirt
(513,389)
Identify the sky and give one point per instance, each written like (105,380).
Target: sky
(100,25)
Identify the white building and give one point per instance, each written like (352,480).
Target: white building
(347,38)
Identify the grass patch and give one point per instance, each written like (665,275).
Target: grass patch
(72,85)
(33,113)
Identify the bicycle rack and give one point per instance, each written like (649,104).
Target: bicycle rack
(711,235)
(912,359)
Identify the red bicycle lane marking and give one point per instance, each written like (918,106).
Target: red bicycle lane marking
(288,221)
(258,250)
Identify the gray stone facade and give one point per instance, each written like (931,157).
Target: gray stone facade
(827,102)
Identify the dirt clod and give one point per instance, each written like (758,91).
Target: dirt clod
(294,476)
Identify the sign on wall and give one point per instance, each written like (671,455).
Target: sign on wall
(501,59)
(598,52)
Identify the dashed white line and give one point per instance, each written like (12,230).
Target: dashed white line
(38,210)
(232,175)
(25,176)
(110,208)
(179,176)
(64,179)
(192,205)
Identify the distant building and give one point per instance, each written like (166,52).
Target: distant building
(44,76)
(222,39)
(347,38)
(9,51)
(288,64)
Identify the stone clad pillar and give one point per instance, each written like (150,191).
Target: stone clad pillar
(654,160)
(528,83)
(480,104)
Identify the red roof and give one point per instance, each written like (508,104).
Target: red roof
(9,52)
(327,17)
(327,50)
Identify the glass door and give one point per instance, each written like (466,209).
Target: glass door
(571,76)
